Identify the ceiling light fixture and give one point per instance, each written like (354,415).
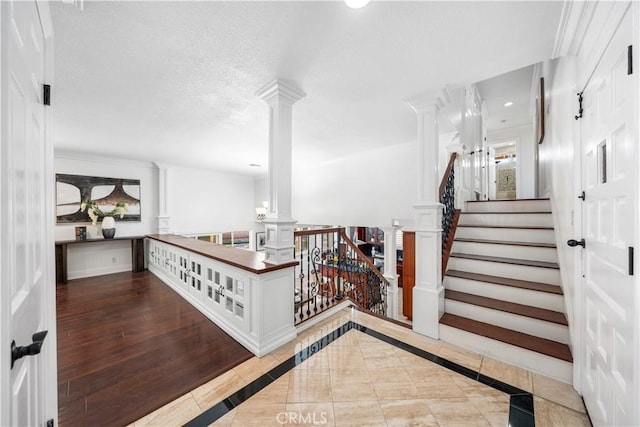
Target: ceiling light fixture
(356,4)
(508,104)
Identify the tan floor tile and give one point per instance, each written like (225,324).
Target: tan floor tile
(460,356)
(226,420)
(439,388)
(348,388)
(456,412)
(255,367)
(403,413)
(472,388)
(359,413)
(276,392)
(402,391)
(391,375)
(305,414)
(549,414)
(318,362)
(175,413)
(557,392)
(494,408)
(218,389)
(347,339)
(308,386)
(259,414)
(509,374)
(341,356)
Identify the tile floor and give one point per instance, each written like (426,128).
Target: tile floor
(360,380)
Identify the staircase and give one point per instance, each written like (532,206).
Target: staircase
(502,287)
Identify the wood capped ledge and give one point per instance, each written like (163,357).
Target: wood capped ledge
(526,262)
(507,307)
(518,339)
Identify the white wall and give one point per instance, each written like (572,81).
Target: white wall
(91,259)
(560,148)
(203,201)
(367,189)
(525,155)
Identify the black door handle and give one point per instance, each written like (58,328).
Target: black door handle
(30,350)
(574,243)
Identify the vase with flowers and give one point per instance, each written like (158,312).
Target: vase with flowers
(108,222)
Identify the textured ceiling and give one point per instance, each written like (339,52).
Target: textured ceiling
(175,81)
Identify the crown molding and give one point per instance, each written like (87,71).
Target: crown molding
(97,158)
(281,90)
(422,102)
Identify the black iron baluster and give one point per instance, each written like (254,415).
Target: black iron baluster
(301,274)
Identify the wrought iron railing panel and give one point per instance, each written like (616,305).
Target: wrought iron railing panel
(447,198)
(332,268)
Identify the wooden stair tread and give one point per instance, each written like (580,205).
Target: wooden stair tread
(515,227)
(507,242)
(526,262)
(518,339)
(505,281)
(508,307)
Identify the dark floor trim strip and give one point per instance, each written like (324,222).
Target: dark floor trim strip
(521,412)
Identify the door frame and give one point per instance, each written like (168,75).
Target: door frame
(49,356)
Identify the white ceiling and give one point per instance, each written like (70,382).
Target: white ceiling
(515,87)
(175,81)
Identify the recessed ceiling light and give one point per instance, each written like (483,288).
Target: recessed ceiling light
(508,104)
(356,4)
(503,121)
(255,165)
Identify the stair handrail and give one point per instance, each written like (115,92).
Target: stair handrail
(361,256)
(451,214)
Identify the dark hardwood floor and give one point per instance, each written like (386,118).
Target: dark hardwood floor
(128,344)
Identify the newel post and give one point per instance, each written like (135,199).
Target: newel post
(279,224)
(428,293)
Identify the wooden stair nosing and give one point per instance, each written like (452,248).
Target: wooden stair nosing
(507,242)
(536,344)
(505,281)
(502,260)
(508,307)
(516,227)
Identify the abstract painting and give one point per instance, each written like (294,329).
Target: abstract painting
(73,190)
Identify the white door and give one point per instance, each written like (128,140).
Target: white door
(491,173)
(609,221)
(28,390)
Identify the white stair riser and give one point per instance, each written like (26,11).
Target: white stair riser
(529,297)
(511,271)
(513,355)
(510,206)
(518,219)
(507,234)
(515,322)
(532,253)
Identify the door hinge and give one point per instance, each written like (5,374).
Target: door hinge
(630,59)
(630,260)
(46,94)
(580,109)
(50,423)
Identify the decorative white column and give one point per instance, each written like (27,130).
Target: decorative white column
(428,293)
(390,269)
(279,224)
(163,198)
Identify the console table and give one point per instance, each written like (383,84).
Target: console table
(137,254)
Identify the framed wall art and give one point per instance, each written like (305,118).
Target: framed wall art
(73,192)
